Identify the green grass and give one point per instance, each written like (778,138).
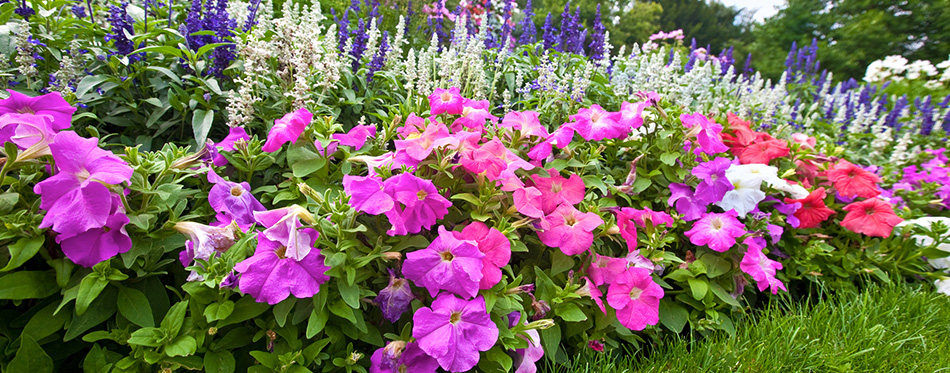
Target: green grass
(880,329)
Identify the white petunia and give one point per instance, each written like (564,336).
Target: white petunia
(745,196)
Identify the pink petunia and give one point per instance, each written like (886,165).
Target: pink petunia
(30,133)
(448,263)
(590,290)
(51,104)
(98,244)
(686,201)
(287,128)
(367,195)
(557,190)
(707,132)
(631,114)
(419,204)
(447,101)
(761,268)
(636,297)
(570,230)
(628,219)
(76,198)
(527,122)
(595,124)
(419,146)
(454,331)
(494,245)
(474,114)
(604,269)
(284,226)
(356,137)
(528,202)
(718,231)
(235,134)
(402,357)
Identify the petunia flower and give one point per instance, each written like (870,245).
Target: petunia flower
(356,137)
(556,190)
(51,104)
(494,245)
(30,133)
(270,276)
(367,195)
(636,297)
(744,197)
(570,230)
(98,244)
(871,217)
(628,219)
(853,181)
(448,263)
(813,210)
(233,201)
(718,231)
(595,124)
(287,128)
(527,122)
(631,114)
(604,269)
(807,142)
(235,134)
(474,114)
(714,184)
(419,146)
(447,101)
(402,357)
(204,241)
(419,204)
(706,131)
(591,290)
(528,202)
(76,198)
(284,226)
(686,202)
(454,331)
(761,268)
(394,299)
(764,151)
(525,358)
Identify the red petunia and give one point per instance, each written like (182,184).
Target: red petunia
(763,152)
(813,210)
(751,146)
(872,217)
(739,132)
(853,181)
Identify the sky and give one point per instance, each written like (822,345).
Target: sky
(763,8)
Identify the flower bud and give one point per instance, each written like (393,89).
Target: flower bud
(521,289)
(212,331)
(614,229)
(596,346)
(540,324)
(392,255)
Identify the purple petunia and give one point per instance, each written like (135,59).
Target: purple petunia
(287,128)
(98,244)
(686,202)
(454,330)
(394,299)
(233,201)
(51,104)
(714,183)
(448,263)
(419,204)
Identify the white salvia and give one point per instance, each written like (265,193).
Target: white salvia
(900,154)
(395,53)
(409,70)
(70,69)
(372,39)
(24,52)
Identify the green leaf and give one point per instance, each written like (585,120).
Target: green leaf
(21,251)
(133,305)
(45,322)
(350,293)
(89,289)
(88,83)
(8,201)
(673,315)
(723,294)
(570,312)
(245,309)
(28,285)
(99,311)
(560,262)
(550,340)
(165,72)
(317,321)
(596,181)
(282,309)
(175,318)
(151,337)
(182,346)
(219,362)
(219,311)
(30,357)
(669,158)
(715,266)
(201,124)
(306,167)
(343,310)
(698,287)
(163,49)
(498,355)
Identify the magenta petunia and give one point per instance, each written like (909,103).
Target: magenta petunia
(494,245)
(394,299)
(570,230)
(356,137)
(636,297)
(714,184)
(101,243)
(270,276)
(76,198)
(235,134)
(718,231)
(447,101)
(707,132)
(287,128)
(474,114)
(557,190)
(590,290)
(484,160)
(284,226)
(760,267)
(527,122)
(630,114)
(30,133)
(367,195)
(686,202)
(525,359)
(232,201)
(419,146)
(204,241)
(528,202)
(454,331)
(603,269)
(448,263)
(595,124)
(51,104)
(419,204)
(628,219)
(402,357)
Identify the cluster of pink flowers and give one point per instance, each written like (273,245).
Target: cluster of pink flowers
(675,34)
(81,199)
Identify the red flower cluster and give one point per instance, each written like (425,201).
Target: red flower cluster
(751,146)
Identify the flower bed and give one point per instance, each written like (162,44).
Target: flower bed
(468,212)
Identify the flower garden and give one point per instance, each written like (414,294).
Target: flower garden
(252,186)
